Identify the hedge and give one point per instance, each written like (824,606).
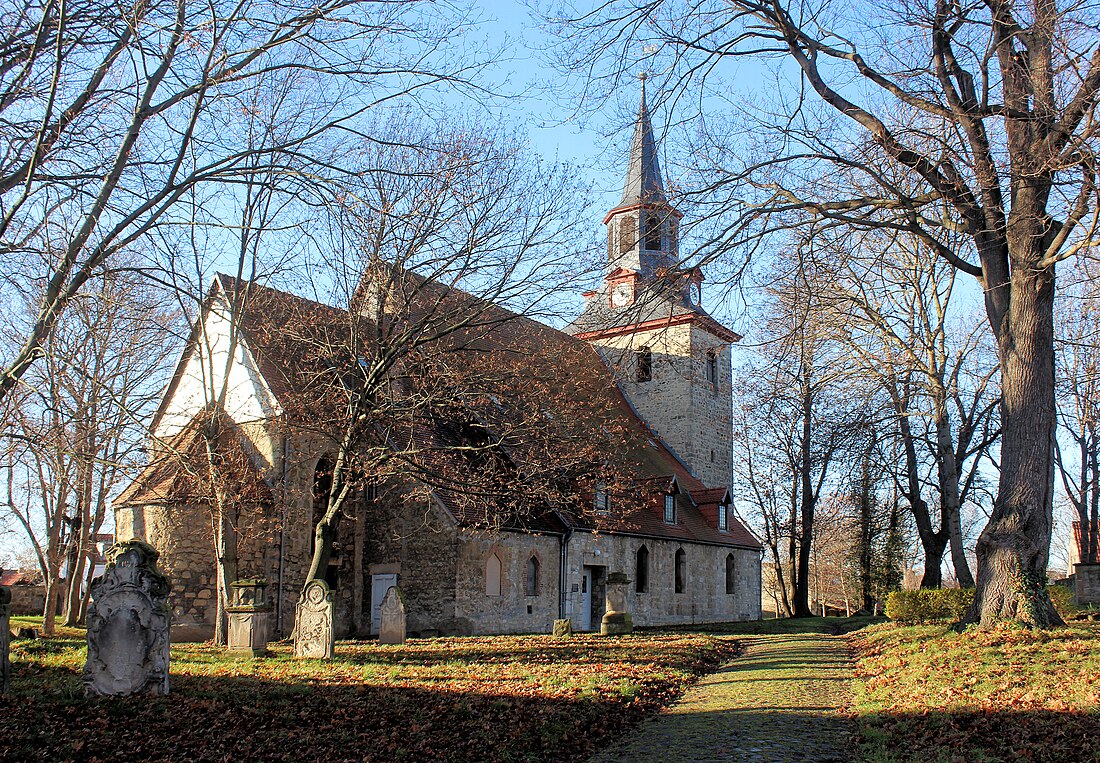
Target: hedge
(950,604)
(928,605)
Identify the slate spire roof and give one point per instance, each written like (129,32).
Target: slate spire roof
(643,174)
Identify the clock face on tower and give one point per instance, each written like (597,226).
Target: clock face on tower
(622,294)
(695,293)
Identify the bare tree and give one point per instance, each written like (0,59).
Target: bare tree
(80,429)
(989,108)
(114,114)
(898,302)
(1078,362)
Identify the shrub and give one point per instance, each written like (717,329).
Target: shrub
(1062,596)
(928,605)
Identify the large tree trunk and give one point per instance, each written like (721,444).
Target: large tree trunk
(1014,546)
(802,581)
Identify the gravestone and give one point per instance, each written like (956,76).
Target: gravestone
(563,628)
(616,618)
(5,639)
(391,629)
(128,619)
(248,617)
(314,635)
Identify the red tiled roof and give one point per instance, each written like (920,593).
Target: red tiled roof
(506,371)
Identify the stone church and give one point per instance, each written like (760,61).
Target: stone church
(644,367)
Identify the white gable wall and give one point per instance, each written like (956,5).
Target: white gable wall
(208,368)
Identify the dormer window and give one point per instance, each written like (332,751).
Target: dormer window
(723,516)
(670,509)
(652,233)
(645,364)
(603,500)
(712,367)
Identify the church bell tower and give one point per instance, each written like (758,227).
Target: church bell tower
(670,358)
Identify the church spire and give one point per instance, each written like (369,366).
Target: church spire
(643,174)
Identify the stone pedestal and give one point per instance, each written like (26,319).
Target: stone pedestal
(5,639)
(249,617)
(563,628)
(128,619)
(616,618)
(1087,584)
(391,629)
(314,634)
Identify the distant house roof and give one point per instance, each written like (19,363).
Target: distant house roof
(19,577)
(543,398)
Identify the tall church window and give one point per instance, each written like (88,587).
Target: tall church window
(731,581)
(645,364)
(712,367)
(627,234)
(532,584)
(641,570)
(681,570)
(670,509)
(652,233)
(492,575)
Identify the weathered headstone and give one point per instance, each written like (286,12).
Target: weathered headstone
(248,617)
(314,635)
(5,639)
(391,629)
(128,619)
(563,628)
(616,618)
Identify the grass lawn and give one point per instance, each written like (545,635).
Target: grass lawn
(509,698)
(926,694)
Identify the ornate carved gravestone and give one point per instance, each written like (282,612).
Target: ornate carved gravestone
(5,639)
(248,617)
(563,628)
(314,635)
(616,619)
(391,630)
(128,620)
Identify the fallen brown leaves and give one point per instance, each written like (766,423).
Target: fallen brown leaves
(929,694)
(523,698)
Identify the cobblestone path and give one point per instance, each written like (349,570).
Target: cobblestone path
(775,704)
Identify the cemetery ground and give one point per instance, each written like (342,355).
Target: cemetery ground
(901,694)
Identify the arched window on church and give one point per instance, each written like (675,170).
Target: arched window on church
(641,571)
(673,233)
(531,588)
(628,233)
(681,570)
(492,575)
(645,364)
(322,489)
(652,233)
(731,579)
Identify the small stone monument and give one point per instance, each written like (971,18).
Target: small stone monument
(128,619)
(391,630)
(248,617)
(314,635)
(563,628)
(616,619)
(5,638)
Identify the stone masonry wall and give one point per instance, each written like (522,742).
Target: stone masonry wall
(692,416)
(513,611)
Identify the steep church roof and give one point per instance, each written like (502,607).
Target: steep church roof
(643,174)
(520,366)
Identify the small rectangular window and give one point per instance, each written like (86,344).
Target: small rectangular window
(670,509)
(712,367)
(723,517)
(603,500)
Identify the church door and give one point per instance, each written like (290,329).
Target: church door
(379,585)
(586,599)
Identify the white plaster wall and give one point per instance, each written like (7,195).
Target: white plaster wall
(208,369)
